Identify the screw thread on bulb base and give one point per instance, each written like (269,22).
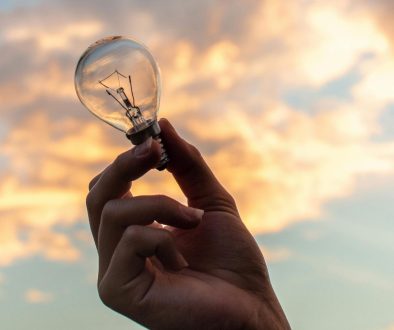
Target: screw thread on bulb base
(164,156)
(152,130)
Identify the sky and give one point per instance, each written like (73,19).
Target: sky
(290,102)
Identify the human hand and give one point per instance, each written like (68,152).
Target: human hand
(202,271)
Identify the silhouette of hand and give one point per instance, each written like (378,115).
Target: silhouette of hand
(203,270)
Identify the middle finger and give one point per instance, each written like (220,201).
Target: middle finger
(141,210)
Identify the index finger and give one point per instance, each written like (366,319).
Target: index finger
(116,179)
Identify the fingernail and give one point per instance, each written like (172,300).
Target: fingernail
(182,263)
(143,149)
(192,213)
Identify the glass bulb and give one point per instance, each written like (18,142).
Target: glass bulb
(118,80)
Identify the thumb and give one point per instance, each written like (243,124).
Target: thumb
(193,175)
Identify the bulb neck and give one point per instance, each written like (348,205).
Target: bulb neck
(139,136)
(152,130)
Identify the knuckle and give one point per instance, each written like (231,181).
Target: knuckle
(93,203)
(93,182)
(90,201)
(226,202)
(230,199)
(194,151)
(225,199)
(162,199)
(165,206)
(166,238)
(108,211)
(106,293)
(119,164)
(132,233)
(117,161)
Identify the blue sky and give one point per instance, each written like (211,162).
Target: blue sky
(339,274)
(341,267)
(291,103)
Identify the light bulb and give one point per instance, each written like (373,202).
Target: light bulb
(118,80)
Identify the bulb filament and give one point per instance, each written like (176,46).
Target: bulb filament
(132,111)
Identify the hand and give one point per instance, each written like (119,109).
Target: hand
(202,271)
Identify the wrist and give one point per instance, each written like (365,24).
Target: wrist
(266,313)
(270,316)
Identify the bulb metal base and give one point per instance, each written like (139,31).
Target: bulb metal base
(152,130)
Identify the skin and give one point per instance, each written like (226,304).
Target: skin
(203,270)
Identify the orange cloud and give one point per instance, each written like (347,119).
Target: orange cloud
(46,183)
(35,296)
(376,88)
(281,164)
(58,38)
(275,255)
(333,28)
(284,165)
(27,88)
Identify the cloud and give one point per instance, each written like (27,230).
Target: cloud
(275,255)
(45,185)
(35,296)
(284,165)
(225,71)
(381,13)
(356,275)
(24,236)
(266,150)
(84,236)
(376,88)
(54,39)
(332,28)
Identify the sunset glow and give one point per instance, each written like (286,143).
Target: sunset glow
(290,102)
